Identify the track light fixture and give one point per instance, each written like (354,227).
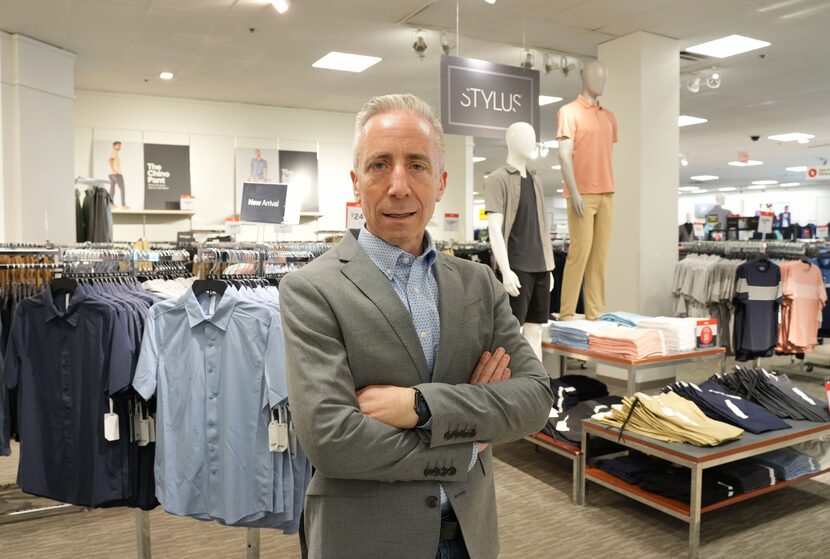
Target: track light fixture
(693,84)
(527,59)
(446,44)
(420,45)
(684,160)
(713,81)
(710,77)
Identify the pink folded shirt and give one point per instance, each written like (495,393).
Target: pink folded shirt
(630,343)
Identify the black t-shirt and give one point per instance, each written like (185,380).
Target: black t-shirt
(524,248)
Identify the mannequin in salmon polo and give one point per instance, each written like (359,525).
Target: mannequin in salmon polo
(586,133)
(519,237)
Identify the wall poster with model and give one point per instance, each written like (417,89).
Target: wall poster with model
(122,162)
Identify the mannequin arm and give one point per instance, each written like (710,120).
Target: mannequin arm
(566,152)
(499,247)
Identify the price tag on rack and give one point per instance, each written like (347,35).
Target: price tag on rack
(765,222)
(698,230)
(822,231)
(354,216)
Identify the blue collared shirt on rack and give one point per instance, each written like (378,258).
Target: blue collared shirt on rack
(413,280)
(217,376)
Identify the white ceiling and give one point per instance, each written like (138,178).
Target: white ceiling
(122,45)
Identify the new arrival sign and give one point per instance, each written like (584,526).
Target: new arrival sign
(482,99)
(263,202)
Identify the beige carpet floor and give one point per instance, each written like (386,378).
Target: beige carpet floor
(537,520)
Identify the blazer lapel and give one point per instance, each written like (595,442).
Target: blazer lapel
(366,276)
(450,309)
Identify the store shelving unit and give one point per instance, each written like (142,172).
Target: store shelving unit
(697,459)
(569,451)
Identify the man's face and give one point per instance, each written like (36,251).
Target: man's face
(399,179)
(117,147)
(257,154)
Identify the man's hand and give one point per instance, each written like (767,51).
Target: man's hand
(393,405)
(492,367)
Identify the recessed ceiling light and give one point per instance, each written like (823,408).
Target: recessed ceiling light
(280,5)
(552,144)
(688,188)
(750,163)
(346,62)
(556,167)
(685,120)
(728,46)
(799,137)
(786,184)
(765,182)
(490,1)
(756,187)
(166,75)
(548,100)
(559,190)
(799,169)
(704,178)
(727,189)
(477,159)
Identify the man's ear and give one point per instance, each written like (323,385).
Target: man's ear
(355,187)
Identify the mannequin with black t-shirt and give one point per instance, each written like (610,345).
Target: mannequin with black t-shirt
(686,231)
(519,237)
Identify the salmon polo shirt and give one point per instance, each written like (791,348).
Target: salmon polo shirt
(593,131)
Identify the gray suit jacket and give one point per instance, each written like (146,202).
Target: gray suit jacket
(375,492)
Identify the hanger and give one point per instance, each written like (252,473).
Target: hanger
(67,285)
(203,286)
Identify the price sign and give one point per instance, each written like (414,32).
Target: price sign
(765,222)
(698,230)
(451,222)
(822,232)
(354,216)
(707,333)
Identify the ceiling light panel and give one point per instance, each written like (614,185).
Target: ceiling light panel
(548,100)
(688,188)
(556,167)
(791,137)
(787,184)
(750,163)
(765,182)
(799,169)
(727,189)
(166,75)
(477,159)
(704,178)
(685,120)
(346,62)
(552,144)
(756,187)
(728,46)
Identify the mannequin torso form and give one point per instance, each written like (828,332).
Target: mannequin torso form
(521,146)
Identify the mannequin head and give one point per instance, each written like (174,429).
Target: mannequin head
(594,76)
(688,218)
(720,200)
(521,142)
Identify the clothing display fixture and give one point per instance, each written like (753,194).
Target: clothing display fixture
(757,296)
(574,333)
(804,298)
(214,356)
(630,343)
(93,215)
(586,132)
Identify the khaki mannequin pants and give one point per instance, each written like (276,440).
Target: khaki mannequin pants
(587,256)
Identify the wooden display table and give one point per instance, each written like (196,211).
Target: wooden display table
(569,451)
(634,365)
(697,459)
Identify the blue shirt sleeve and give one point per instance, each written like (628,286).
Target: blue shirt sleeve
(146,371)
(274,359)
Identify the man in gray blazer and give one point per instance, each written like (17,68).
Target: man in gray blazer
(404,364)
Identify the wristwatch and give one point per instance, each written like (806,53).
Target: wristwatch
(422,409)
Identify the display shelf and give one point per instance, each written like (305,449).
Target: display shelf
(681,509)
(569,451)
(697,459)
(172,213)
(633,365)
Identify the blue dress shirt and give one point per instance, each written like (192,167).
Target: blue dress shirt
(217,377)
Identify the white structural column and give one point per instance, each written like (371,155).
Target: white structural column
(643,93)
(37,106)
(458,198)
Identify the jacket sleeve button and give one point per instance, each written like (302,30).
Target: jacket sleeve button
(432,501)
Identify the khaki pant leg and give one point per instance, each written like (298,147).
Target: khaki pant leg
(581,231)
(595,266)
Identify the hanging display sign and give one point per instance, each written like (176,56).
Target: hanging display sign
(354,216)
(765,222)
(480,98)
(822,231)
(166,175)
(698,230)
(818,173)
(263,202)
(451,222)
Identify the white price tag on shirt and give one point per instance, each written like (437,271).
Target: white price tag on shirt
(111,432)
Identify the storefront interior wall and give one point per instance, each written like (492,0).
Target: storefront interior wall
(807,204)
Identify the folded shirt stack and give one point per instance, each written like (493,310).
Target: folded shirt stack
(633,468)
(568,424)
(679,333)
(630,343)
(574,333)
(817,449)
(623,318)
(743,475)
(715,402)
(676,483)
(775,392)
(787,463)
(668,417)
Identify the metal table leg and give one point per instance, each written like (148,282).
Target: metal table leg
(580,494)
(575,478)
(563,365)
(694,511)
(253,543)
(142,534)
(632,380)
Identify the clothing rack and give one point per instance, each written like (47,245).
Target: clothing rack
(772,249)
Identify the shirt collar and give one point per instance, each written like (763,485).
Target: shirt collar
(221,315)
(386,256)
(511,169)
(587,104)
(70,314)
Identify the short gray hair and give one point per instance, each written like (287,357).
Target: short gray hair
(391,103)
